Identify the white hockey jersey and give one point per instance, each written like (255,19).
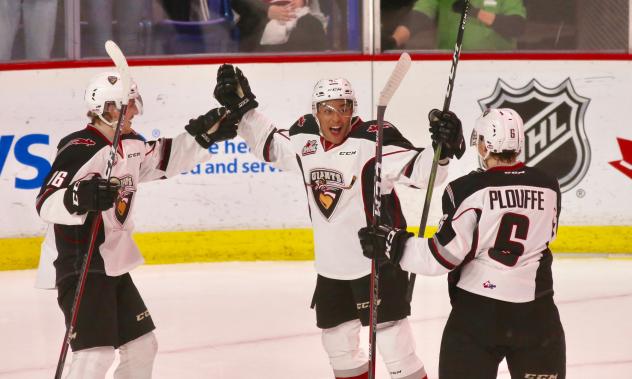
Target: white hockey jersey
(82,155)
(494,234)
(339,181)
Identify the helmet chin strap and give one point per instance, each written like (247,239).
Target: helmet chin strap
(111,124)
(483,159)
(108,123)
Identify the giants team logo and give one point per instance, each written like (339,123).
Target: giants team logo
(555,138)
(327,186)
(124,202)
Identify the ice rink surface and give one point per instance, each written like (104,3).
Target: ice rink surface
(252,320)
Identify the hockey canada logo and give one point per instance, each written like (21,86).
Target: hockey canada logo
(124,201)
(310,147)
(555,137)
(327,186)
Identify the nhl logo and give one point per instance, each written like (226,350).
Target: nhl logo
(555,137)
(112,80)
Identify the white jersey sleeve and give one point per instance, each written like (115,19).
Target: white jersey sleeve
(404,163)
(413,173)
(266,142)
(430,257)
(166,157)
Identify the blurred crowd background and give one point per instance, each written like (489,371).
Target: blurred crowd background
(41,30)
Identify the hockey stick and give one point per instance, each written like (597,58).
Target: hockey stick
(435,160)
(403,64)
(121,65)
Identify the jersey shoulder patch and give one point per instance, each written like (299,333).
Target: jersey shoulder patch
(391,135)
(85,141)
(306,124)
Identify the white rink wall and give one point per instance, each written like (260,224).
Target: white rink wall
(583,125)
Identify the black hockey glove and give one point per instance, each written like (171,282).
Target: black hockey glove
(233,91)
(383,243)
(445,127)
(458,6)
(95,194)
(213,127)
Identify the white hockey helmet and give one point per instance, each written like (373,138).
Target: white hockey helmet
(107,87)
(501,129)
(333,89)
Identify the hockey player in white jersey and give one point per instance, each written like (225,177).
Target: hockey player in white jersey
(112,314)
(493,241)
(333,151)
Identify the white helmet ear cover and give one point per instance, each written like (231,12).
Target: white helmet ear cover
(502,130)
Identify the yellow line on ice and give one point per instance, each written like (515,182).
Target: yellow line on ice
(290,244)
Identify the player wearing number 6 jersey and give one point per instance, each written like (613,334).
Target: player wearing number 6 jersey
(333,151)
(493,240)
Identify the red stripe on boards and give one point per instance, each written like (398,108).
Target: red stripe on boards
(361,376)
(276,59)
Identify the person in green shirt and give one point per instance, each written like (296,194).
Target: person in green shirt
(491,24)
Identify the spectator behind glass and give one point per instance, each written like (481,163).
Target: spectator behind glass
(399,23)
(491,25)
(294,25)
(38,17)
(101,13)
(179,10)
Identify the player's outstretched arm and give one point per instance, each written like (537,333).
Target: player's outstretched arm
(214,126)
(265,141)
(167,157)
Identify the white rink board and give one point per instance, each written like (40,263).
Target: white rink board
(49,103)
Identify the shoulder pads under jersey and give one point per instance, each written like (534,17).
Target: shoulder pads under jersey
(391,135)
(84,141)
(306,124)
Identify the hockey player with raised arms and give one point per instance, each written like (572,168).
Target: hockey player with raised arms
(493,240)
(112,314)
(333,151)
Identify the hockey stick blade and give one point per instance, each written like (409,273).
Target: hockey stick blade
(403,64)
(120,62)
